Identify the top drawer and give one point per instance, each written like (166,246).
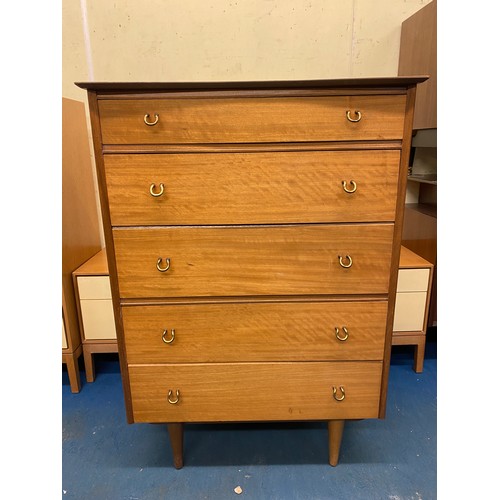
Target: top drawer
(247,120)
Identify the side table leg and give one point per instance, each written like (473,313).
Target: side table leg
(335,432)
(88,361)
(176,433)
(73,373)
(418,359)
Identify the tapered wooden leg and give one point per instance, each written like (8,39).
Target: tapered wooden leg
(176,433)
(335,431)
(73,373)
(88,361)
(418,359)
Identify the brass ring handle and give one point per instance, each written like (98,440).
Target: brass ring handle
(335,394)
(164,336)
(348,114)
(162,269)
(341,261)
(344,185)
(173,401)
(345,337)
(160,192)
(151,123)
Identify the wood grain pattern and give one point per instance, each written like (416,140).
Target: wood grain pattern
(383,84)
(80,224)
(418,55)
(259,188)
(396,244)
(255,332)
(253,240)
(255,391)
(267,147)
(265,119)
(253,260)
(110,251)
(95,266)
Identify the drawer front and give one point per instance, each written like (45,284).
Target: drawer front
(409,312)
(413,280)
(242,120)
(253,260)
(232,332)
(94,287)
(98,319)
(255,391)
(64,340)
(252,188)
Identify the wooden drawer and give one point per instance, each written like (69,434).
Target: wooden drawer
(409,312)
(94,287)
(413,280)
(253,260)
(258,188)
(232,332)
(246,120)
(255,391)
(98,319)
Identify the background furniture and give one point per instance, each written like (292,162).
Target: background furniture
(253,238)
(412,304)
(80,225)
(418,56)
(95,310)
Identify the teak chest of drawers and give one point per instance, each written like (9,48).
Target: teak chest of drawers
(253,234)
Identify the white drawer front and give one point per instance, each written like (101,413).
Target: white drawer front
(409,312)
(413,280)
(94,287)
(64,341)
(98,319)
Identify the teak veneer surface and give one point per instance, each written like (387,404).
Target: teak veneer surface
(257,188)
(282,119)
(253,260)
(254,331)
(255,391)
(253,220)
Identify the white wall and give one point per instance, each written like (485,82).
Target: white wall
(208,40)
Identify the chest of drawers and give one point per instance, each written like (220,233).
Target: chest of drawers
(253,234)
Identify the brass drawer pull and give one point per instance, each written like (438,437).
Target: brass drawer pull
(344,185)
(176,400)
(345,337)
(341,261)
(151,123)
(160,192)
(162,269)
(357,113)
(164,336)
(335,394)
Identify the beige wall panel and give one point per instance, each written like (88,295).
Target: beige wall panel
(162,40)
(376,35)
(98,319)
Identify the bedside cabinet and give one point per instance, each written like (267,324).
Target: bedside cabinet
(253,232)
(95,310)
(412,304)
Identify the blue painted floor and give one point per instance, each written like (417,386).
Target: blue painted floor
(105,458)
